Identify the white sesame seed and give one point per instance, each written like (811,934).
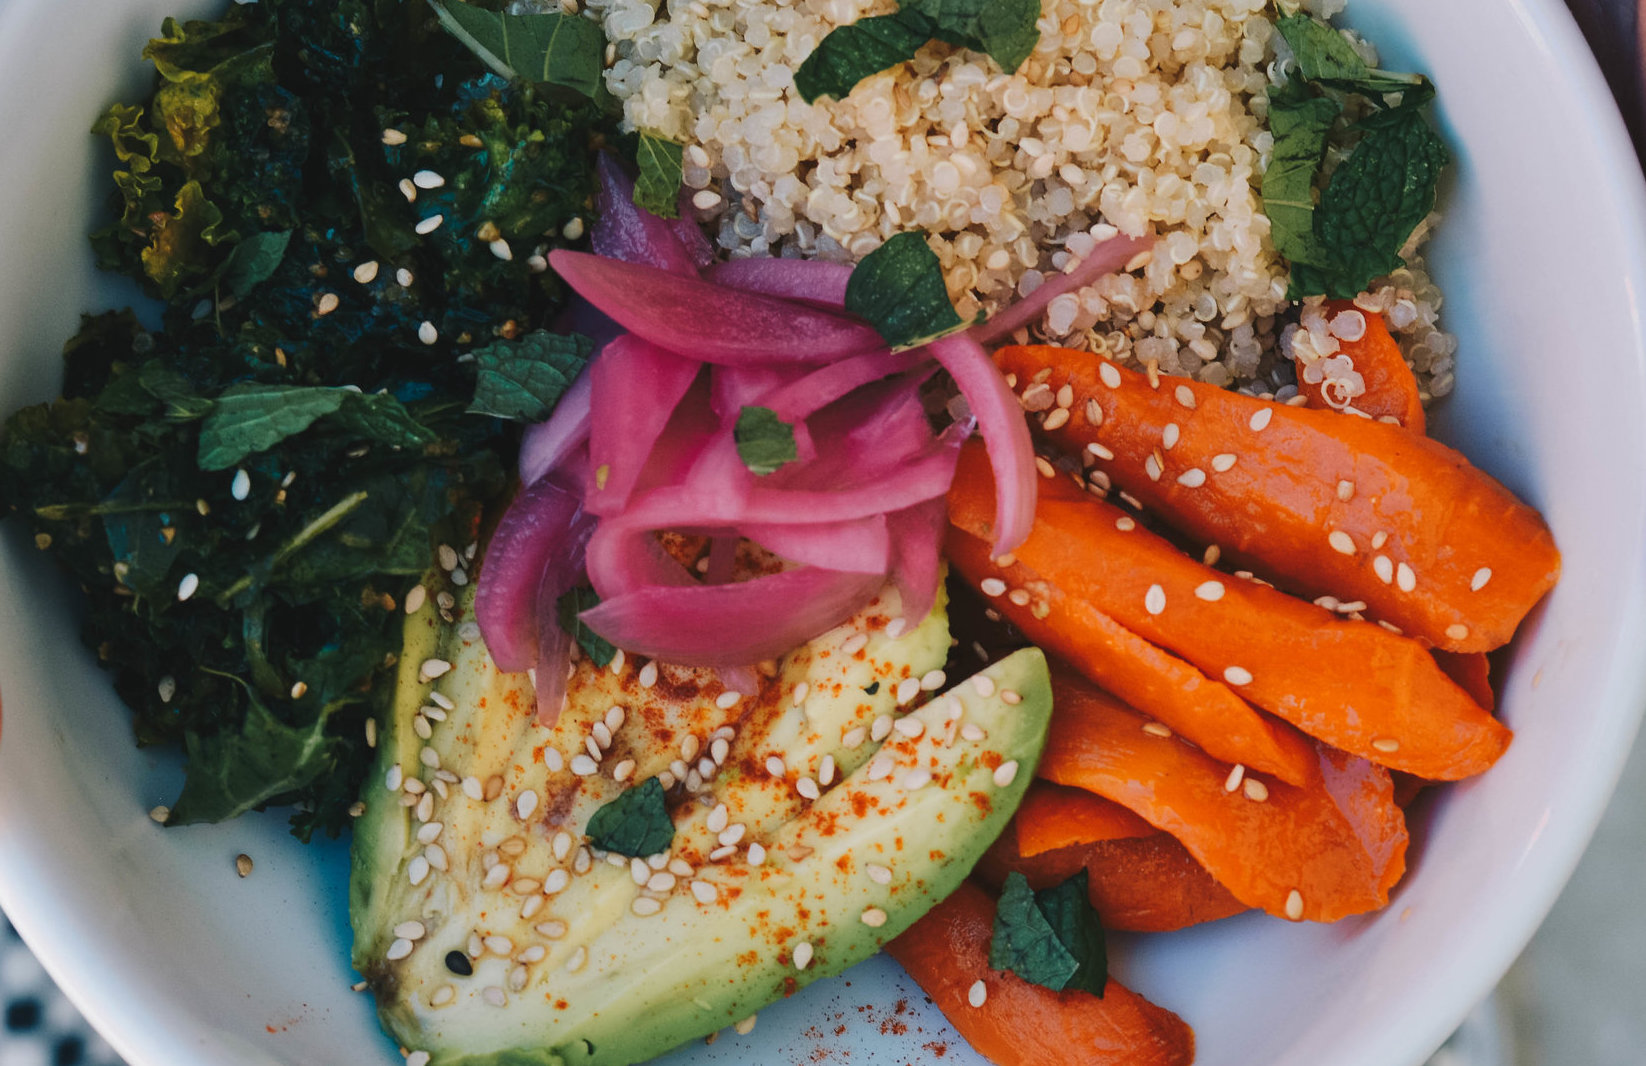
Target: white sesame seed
(1057,418)
(854,738)
(526,804)
(430,832)
(880,875)
(932,680)
(1154,601)
(399,950)
(498,945)
(825,771)
(662,881)
(910,727)
(497,876)
(1379,539)
(1294,905)
(1237,675)
(1192,478)
(556,881)
(873,917)
(854,644)
(188,586)
(395,777)
(775,766)
(808,788)
(1405,577)
(1478,582)
(417,871)
(408,190)
(1260,419)
(704,892)
(414,786)
(578,959)
(973,732)
(879,768)
(1010,698)
(648,675)
(1185,396)
(327,303)
(992,586)
(1224,462)
(757,854)
(727,700)
(1457,631)
(421,1058)
(1345,490)
(907,689)
(433,668)
(1232,782)
(1151,467)
(366,273)
(240,487)
(746,1026)
(430,758)
(393,137)
(880,728)
(732,834)
(427,179)
(1005,773)
(494,996)
(645,906)
(719,749)
(403,278)
(1386,744)
(583,766)
(427,333)
(978,994)
(1157,729)
(1109,375)
(429,225)
(1384,568)
(915,780)
(1341,542)
(1255,790)
(1210,591)
(1125,523)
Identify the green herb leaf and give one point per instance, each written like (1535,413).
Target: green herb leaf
(1324,55)
(234,771)
(1374,201)
(657,189)
(523,379)
(764,441)
(569,607)
(566,50)
(254,260)
(898,288)
(1008,31)
(248,419)
(636,823)
(1051,938)
(850,53)
(382,418)
(1299,121)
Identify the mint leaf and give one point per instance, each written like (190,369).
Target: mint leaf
(1375,199)
(523,379)
(248,419)
(1024,941)
(636,823)
(566,50)
(1299,122)
(1008,30)
(657,189)
(851,53)
(1324,55)
(254,260)
(569,607)
(764,441)
(898,288)
(382,418)
(1051,938)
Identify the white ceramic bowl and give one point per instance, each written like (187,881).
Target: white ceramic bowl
(180,963)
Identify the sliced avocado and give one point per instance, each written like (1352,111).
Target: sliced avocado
(492,933)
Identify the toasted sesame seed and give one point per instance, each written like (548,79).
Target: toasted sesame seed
(1255,790)
(1094,413)
(1478,582)
(978,994)
(1154,601)
(802,955)
(1294,905)
(690,746)
(159,814)
(1405,577)
(1157,729)
(1237,675)
(408,190)
(1109,375)
(1236,773)
(1192,478)
(1005,773)
(366,273)
(1457,631)
(327,303)
(427,333)
(1341,542)
(910,727)
(583,766)
(746,1026)
(1386,744)
(393,137)
(1057,418)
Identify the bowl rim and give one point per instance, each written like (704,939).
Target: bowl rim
(1484,953)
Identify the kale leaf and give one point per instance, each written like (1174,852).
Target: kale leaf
(764,442)
(661,161)
(551,47)
(636,823)
(899,289)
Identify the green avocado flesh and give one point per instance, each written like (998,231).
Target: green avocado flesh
(808,833)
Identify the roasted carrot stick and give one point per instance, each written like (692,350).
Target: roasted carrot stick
(1332,848)
(1052,816)
(1346,507)
(1473,673)
(1352,684)
(1140,885)
(1021,1024)
(1168,688)
(1391,387)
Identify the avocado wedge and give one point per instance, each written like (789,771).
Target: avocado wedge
(804,831)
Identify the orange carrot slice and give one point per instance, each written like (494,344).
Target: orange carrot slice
(1352,684)
(1052,816)
(1391,387)
(1347,507)
(1473,673)
(1139,885)
(1162,684)
(1021,1024)
(1321,852)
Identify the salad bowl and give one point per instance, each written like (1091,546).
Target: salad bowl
(182,957)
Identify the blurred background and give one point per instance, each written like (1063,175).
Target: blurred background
(1577,997)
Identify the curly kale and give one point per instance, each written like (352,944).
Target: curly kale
(341,208)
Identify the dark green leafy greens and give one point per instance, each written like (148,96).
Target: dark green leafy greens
(1377,196)
(568,608)
(551,48)
(764,441)
(1051,938)
(1005,30)
(303,425)
(661,161)
(636,823)
(898,288)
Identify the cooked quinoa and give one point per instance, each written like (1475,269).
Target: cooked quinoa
(1130,115)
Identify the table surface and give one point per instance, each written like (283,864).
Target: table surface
(1576,996)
